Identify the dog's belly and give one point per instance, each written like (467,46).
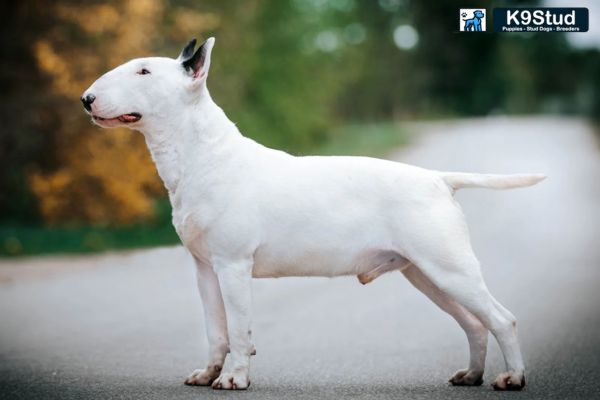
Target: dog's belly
(366,262)
(271,262)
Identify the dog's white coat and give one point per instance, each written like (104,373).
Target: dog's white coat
(245,210)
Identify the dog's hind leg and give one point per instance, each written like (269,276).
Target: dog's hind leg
(477,334)
(216,326)
(445,256)
(463,282)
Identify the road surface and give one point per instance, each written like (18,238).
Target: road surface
(130,325)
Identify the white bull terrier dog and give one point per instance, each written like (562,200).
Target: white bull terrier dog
(244,210)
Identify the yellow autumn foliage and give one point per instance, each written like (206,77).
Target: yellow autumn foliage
(107,176)
(103,176)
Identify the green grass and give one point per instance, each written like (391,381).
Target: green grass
(375,139)
(20,240)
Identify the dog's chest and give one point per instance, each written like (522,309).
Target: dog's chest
(191,233)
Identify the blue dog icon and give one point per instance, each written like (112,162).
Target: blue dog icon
(474,24)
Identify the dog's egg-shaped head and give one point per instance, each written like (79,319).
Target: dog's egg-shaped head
(147,90)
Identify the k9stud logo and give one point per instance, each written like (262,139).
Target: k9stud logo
(472,19)
(541,19)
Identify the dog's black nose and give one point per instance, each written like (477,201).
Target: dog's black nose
(87,101)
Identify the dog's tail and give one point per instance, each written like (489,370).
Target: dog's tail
(458,180)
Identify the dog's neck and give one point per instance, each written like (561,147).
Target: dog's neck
(194,140)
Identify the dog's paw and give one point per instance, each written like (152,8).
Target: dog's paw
(235,380)
(203,377)
(467,377)
(509,381)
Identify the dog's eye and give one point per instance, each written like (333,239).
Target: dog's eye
(143,71)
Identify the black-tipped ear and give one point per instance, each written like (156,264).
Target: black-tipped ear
(199,62)
(188,51)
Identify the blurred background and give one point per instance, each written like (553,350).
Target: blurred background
(306,76)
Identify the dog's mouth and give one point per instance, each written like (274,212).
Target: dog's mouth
(124,118)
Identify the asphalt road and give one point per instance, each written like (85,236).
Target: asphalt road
(130,325)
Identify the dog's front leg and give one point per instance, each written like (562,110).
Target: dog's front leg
(216,326)
(235,279)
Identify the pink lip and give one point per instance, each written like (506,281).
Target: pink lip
(124,118)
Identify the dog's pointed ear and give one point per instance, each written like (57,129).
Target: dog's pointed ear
(198,63)
(188,51)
